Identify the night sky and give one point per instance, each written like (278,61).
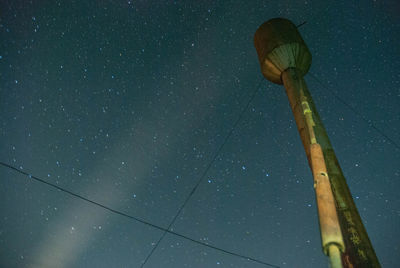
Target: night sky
(127,102)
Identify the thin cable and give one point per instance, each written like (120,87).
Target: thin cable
(369,122)
(135,218)
(301,24)
(206,170)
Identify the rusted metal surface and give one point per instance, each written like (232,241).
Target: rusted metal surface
(284,59)
(280,46)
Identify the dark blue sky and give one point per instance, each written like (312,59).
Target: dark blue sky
(126,103)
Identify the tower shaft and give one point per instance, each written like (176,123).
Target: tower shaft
(358,251)
(284,59)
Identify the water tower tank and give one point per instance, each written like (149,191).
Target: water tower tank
(279,47)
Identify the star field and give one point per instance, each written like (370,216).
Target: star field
(127,102)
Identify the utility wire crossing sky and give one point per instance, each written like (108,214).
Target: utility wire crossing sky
(127,104)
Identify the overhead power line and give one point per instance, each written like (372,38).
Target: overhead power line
(123,214)
(216,154)
(360,115)
(369,122)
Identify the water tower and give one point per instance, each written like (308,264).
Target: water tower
(285,59)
